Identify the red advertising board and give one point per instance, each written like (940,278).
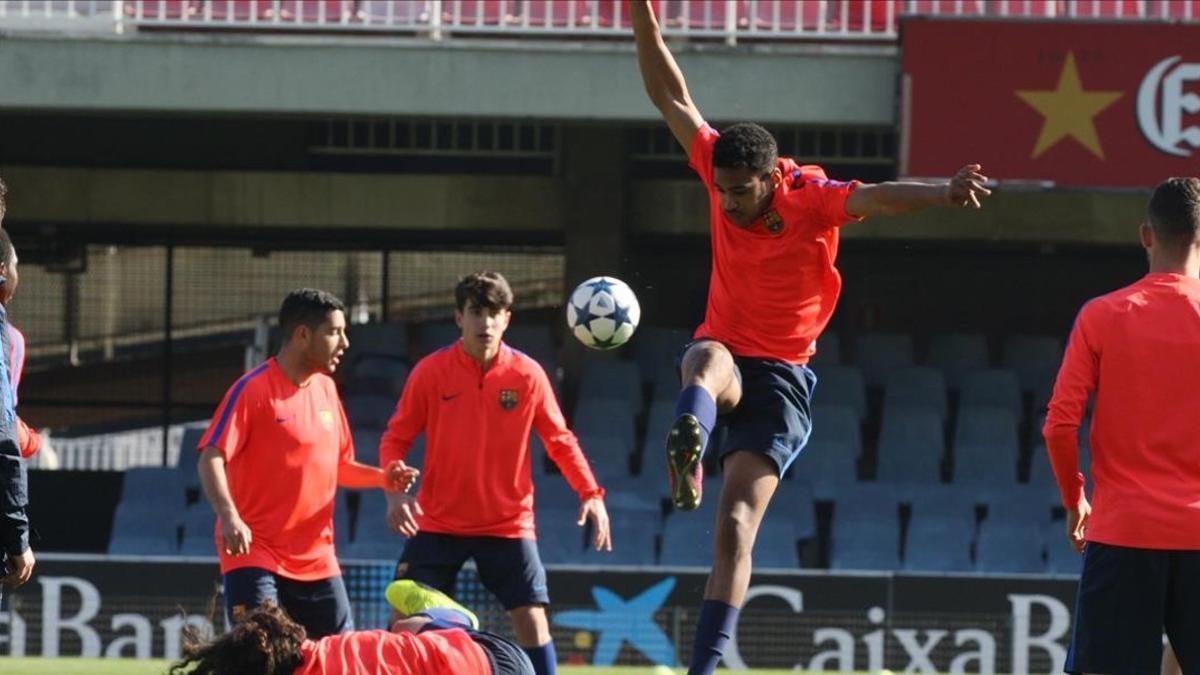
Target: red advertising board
(1070,102)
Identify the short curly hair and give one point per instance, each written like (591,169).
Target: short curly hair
(745,145)
(487,289)
(264,642)
(1174,210)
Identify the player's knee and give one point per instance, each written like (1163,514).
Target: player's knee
(530,625)
(736,528)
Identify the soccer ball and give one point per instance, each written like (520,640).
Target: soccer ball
(603,312)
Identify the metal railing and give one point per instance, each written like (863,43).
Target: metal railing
(728,20)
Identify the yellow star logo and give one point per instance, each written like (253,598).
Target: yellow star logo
(1068,110)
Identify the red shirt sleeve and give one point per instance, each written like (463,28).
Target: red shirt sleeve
(28,438)
(827,198)
(1077,378)
(409,419)
(701,153)
(561,444)
(229,429)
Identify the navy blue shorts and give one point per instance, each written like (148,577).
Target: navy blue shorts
(774,417)
(504,655)
(322,606)
(510,568)
(1127,598)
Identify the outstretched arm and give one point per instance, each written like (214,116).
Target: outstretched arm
(662,77)
(884,199)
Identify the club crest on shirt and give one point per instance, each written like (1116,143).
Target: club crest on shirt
(508,398)
(326,419)
(773,222)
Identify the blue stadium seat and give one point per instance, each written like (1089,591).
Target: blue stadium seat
(342,527)
(993,387)
(687,540)
(144,531)
(378,374)
(369,410)
(793,506)
(830,459)
(378,338)
(986,451)
(957,354)
(658,425)
(154,488)
(941,527)
(939,540)
(775,546)
(608,454)
(534,339)
(372,539)
(553,491)
(666,383)
(829,350)
(866,529)
(912,444)
(841,385)
(1061,557)
(878,354)
(655,348)
(611,379)
(642,493)
(1010,547)
(366,444)
(198,523)
(609,417)
(916,388)
(560,540)
(438,334)
(189,457)
(635,538)
(1034,358)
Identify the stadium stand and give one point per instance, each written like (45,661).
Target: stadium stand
(992,387)
(866,529)
(1034,358)
(830,460)
(687,539)
(958,354)
(917,388)
(841,385)
(912,447)
(879,354)
(986,449)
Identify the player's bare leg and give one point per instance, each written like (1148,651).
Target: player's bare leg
(532,629)
(749,482)
(709,386)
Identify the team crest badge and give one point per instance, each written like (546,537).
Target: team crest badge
(508,398)
(327,420)
(773,222)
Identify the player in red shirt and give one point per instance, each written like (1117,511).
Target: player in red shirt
(271,461)
(437,640)
(1137,351)
(775,227)
(476,401)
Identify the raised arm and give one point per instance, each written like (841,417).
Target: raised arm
(892,198)
(662,77)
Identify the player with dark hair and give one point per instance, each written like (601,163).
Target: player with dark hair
(476,401)
(436,638)
(14,522)
(1137,351)
(775,227)
(271,461)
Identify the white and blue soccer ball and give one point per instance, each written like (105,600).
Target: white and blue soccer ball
(603,312)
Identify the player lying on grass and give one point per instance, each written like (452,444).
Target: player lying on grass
(436,636)
(775,227)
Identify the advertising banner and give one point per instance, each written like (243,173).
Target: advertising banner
(1070,103)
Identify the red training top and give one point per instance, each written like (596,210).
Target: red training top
(27,437)
(1138,350)
(774,285)
(283,446)
(378,652)
(476,480)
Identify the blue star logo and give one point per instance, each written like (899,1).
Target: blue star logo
(601,285)
(619,621)
(583,316)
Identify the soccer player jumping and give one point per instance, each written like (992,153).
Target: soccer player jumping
(774,227)
(1137,350)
